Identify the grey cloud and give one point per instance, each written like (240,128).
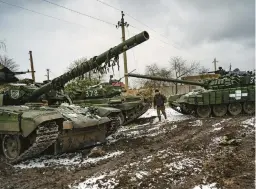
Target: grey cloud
(217,20)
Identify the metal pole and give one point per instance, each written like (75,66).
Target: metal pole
(215,64)
(32,66)
(123,24)
(48,75)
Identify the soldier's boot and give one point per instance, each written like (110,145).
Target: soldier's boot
(159,117)
(164,113)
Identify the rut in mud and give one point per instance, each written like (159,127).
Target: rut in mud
(184,152)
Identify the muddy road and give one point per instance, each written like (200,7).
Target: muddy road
(181,153)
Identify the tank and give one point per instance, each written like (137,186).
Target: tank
(111,95)
(230,93)
(115,115)
(30,126)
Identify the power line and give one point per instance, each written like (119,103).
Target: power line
(109,5)
(137,21)
(79,12)
(156,38)
(17,6)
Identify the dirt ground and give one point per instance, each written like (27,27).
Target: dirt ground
(185,153)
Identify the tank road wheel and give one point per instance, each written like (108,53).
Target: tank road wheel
(249,108)
(11,146)
(234,109)
(219,110)
(203,111)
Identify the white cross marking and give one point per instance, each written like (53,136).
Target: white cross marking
(238,94)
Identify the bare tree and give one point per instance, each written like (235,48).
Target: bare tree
(9,63)
(155,70)
(83,81)
(88,75)
(180,68)
(2,45)
(203,70)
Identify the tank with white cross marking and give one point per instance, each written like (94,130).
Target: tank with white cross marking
(228,94)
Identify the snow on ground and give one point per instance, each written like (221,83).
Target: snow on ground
(65,161)
(207,186)
(249,122)
(172,115)
(218,126)
(135,171)
(219,123)
(182,164)
(196,123)
(94,182)
(149,129)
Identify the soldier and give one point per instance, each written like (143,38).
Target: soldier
(159,101)
(110,79)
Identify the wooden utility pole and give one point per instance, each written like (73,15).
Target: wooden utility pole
(122,24)
(215,64)
(48,75)
(32,66)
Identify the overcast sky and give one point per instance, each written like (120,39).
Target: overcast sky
(197,30)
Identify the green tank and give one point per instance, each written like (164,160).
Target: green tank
(30,126)
(115,115)
(231,93)
(109,95)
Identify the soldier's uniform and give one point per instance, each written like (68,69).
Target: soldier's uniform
(159,101)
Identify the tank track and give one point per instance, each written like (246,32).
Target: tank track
(194,114)
(138,114)
(46,135)
(115,124)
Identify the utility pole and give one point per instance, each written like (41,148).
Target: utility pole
(47,75)
(32,66)
(230,67)
(215,62)
(122,24)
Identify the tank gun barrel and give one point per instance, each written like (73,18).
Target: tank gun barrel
(91,64)
(157,78)
(25,72)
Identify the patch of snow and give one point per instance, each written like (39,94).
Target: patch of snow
(182,164)
(216,140)
(141,174)
(216,124)
(197,123)
(76,160)
(98,182)
(219,123)
(172,115)
(157,170)
(217,129)
(154,134)
(148,159)
(134,163)
(250,122)
(208,186)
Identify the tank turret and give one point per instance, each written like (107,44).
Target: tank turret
(231,94)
